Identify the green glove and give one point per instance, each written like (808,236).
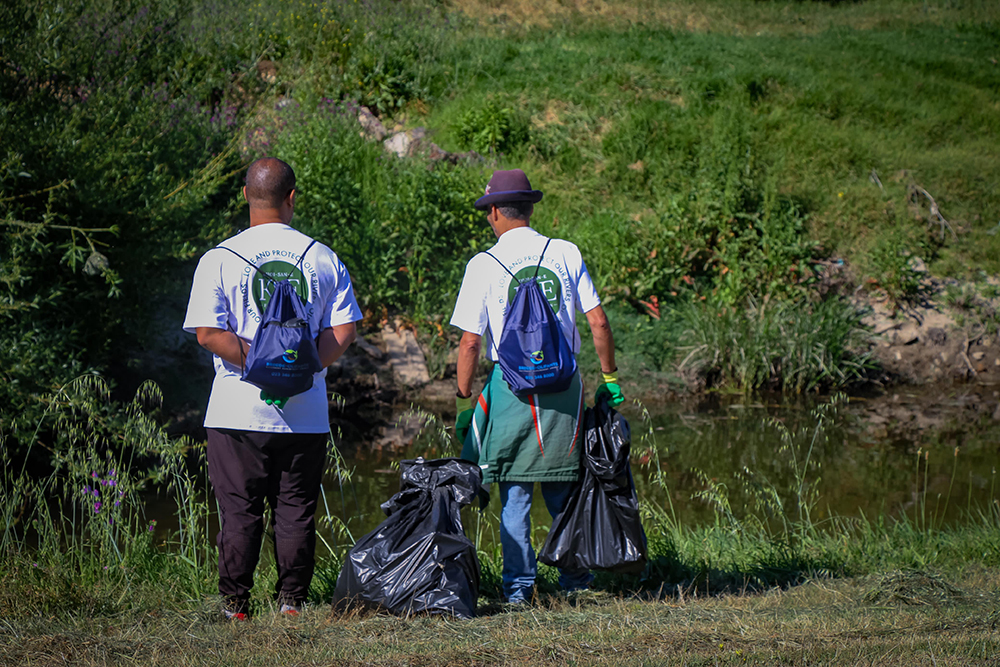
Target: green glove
(610,387)
(276,401)
(463,408)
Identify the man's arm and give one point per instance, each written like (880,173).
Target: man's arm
(334,341)
(224,344)
(604,341)
(468,361)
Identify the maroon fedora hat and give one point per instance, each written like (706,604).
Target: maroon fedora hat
(507,186)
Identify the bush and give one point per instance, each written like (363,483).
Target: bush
(492,128)
(404,228)
(776,345)
(117,135)
(718,224)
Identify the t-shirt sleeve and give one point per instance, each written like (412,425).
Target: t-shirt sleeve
(342,306)
(586,294)
(207,305)
(470,307)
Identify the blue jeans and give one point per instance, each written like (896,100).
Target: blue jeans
(519,566)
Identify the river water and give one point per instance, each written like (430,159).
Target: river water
(928,453)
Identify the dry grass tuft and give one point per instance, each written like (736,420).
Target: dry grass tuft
(914,588)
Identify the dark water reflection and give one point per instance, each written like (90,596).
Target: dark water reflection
(864,463)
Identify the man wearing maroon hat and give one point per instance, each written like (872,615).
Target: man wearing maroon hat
(520,440)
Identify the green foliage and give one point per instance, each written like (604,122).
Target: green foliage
(893,272)
(117,134)
(783,345)
(380,54)
(492,128)
(717,223)
(405,229)
(84,521)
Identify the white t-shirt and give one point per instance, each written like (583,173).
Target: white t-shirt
(487,288)
(229,293)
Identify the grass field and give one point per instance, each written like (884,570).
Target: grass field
(705,156)
(898,619)
(86,578)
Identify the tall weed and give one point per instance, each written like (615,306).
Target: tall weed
(775,344)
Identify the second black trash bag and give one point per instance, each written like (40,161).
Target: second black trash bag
(419,559)
(600,528)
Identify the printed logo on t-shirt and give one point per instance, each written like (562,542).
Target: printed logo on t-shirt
(547,280)
(262,287)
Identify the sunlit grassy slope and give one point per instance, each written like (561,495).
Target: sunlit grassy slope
(617,95)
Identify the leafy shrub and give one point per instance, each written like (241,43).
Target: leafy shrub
(718,224)
(117,135)
(492,128)
(405,229)
(892,271)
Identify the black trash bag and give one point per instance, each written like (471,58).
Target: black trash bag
(419,559)
(599,529)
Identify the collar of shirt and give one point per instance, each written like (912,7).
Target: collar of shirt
(516,236)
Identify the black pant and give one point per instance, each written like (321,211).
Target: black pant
(247,467)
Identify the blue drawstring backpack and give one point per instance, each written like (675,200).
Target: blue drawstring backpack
(534,355)
(283,357)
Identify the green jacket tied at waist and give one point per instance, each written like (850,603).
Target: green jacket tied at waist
(526,439)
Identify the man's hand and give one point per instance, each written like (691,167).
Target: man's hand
(463,420)
(276,401)
(609,386)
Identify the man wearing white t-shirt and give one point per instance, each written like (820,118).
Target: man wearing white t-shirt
(518,441)
(261,447)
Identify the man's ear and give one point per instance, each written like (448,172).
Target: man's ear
(291,198)
(245,194)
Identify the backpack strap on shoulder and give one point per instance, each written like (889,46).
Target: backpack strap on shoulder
(503,266)
(302,257)
(263,273)
(541,257)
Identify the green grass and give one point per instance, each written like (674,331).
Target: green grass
(820,622)
(95,584)
(825,107)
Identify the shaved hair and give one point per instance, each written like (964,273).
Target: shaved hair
(269,181)
(516,210)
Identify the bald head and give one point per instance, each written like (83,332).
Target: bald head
(269,182)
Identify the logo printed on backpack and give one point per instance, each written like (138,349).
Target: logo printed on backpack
(290,356)
(532,351)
